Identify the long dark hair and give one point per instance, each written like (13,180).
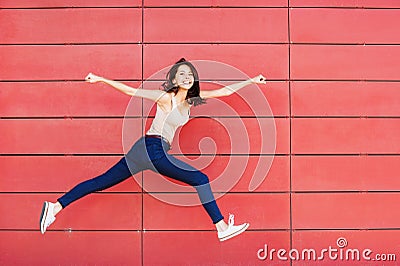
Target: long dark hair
(193,95)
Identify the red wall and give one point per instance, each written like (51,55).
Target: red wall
(334,91)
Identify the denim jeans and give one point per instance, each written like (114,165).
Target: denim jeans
(149,154)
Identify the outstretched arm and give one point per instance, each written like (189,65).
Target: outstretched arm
(154,95)
(230,89)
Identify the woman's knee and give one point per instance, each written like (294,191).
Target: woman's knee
(201,179)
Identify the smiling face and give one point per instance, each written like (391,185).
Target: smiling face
(184,77)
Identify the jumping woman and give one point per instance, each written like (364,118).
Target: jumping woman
(181,91)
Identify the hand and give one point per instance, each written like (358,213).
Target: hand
(260,79)
(92,78)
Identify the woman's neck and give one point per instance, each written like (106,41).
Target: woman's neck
(180,96)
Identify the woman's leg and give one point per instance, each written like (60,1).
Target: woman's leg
(170,166)
(116,174)
(179,170)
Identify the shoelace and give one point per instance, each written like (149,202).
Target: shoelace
(231,220)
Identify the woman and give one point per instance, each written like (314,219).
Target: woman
(181,92)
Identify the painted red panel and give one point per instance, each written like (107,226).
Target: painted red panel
(66,136)
(26,99)
(69,3)
(218,3)
(74,136)
(203,248)
(223,25)
(345,62)
(66,248)
(233,135)
(345,135)
(345,3)
(55,174)
(345,210)
(47,62)
(382,242)
(54,25)
(252,59)
(262,211)
(345,25)
(345,98)
(232,173)
(271,99)
(355,173)
(276,178)
(91,212)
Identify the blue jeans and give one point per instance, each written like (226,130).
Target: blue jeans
(149,153)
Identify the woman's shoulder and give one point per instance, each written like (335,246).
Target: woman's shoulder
(165,102)
(165,98)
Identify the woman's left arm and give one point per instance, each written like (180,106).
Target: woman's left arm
(230,89)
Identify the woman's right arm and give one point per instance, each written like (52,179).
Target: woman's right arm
(154,95)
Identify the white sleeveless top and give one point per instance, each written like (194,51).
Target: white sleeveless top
(165,124)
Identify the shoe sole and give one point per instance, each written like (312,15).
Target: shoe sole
(43,216)
(235,233)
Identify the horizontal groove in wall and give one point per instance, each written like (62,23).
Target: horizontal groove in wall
(217,154)
(214,80)
(204,6)
(145,7)
(199,116)
(145,192)
(198,230)
(120,117)
(183,230)
(112,155)
(174,154)
(201,43)
(217,192)
(140,230)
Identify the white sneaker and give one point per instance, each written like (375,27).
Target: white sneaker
(47,217)
(233,230)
